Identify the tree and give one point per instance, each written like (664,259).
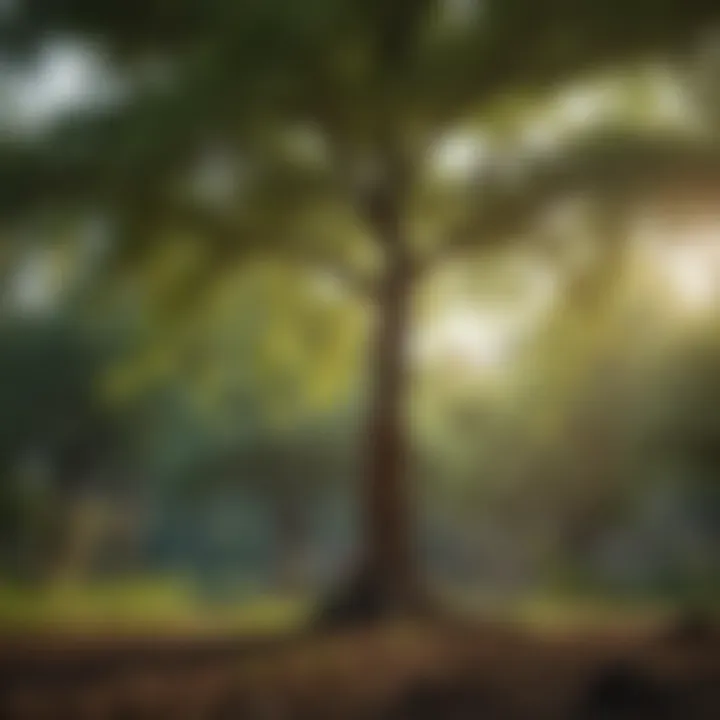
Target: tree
(53,423)
(320,118)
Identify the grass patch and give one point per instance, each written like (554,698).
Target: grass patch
(577,611)
(167,605)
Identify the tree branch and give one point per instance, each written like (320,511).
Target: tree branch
(230,241)
(629,170)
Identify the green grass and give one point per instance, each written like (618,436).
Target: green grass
(141,605)
(171,605)
(563,611)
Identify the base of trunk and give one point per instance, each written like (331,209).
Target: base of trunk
(370,598)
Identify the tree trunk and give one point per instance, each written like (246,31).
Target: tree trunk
(386,581)
(386,522)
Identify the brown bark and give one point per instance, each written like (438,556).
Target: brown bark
(389,559)
(386,581)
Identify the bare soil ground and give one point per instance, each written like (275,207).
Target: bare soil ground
(441,671)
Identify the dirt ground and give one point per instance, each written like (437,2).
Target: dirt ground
(399,672)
